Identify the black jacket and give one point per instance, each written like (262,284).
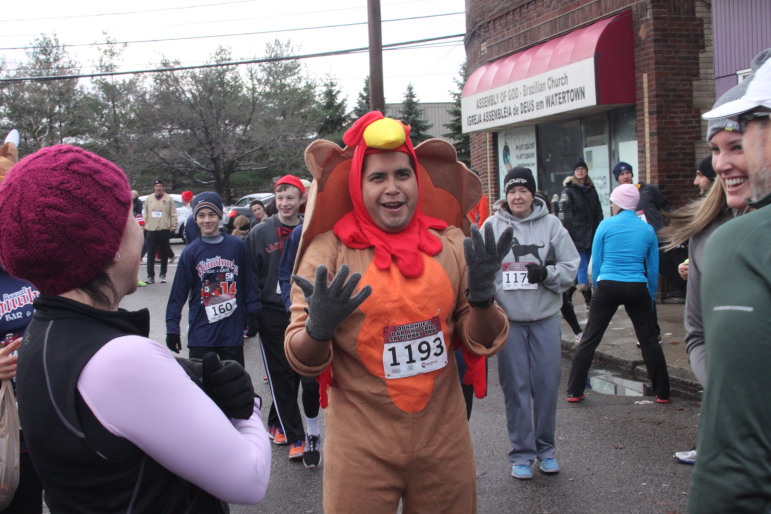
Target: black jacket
(83,467)
(582,212)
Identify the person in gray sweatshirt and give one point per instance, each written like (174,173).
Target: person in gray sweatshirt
(543,262)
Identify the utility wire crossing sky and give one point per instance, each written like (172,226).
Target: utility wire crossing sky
(422,39)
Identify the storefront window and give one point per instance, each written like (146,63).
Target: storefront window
(597,156)
(517,147)
(560,145)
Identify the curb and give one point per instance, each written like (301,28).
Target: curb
(682,382)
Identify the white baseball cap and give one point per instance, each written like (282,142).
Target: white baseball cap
(758,94)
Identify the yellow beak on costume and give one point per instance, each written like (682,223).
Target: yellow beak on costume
(385,134)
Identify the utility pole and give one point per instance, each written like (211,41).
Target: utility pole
(376,95)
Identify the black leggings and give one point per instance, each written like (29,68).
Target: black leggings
(568,312)
(635,298)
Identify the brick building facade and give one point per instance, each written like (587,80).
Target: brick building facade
(655,123)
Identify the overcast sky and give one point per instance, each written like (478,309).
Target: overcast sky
(183,25)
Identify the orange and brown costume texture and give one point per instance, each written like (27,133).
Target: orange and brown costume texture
(394,431)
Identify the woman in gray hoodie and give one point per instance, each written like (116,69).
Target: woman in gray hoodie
(542,263)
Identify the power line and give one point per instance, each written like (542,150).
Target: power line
(239,34)
(391,46)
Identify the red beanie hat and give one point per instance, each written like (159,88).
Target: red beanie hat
(63,212)
(187,196)
(292,181)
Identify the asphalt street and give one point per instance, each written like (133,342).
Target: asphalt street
(615,451)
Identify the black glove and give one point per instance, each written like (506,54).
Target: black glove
(174,342)
(229,386)
(484,258)
(329,305)
(252,324)
(536,273)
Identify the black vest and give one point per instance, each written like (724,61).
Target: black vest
(83,467)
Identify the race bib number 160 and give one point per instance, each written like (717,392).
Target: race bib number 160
(413,349)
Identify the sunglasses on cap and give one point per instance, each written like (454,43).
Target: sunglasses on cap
(756,115)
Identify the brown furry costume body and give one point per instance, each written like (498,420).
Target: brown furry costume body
(404,438)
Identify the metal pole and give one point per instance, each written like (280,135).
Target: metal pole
(376,95)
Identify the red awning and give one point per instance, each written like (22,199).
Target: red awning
(610,42)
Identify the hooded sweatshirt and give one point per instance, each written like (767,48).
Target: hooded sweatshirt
(538,238)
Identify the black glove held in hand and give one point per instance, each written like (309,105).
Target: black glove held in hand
(229,386)
(536,273)
(252,324)
(174,342)
(484,258)
(329,305)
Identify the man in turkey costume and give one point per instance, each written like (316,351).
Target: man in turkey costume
(395,216)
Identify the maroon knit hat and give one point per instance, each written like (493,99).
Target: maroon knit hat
(63,212)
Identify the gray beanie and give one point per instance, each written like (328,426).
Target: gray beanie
(736,92)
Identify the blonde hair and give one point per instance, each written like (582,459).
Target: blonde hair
(692,218)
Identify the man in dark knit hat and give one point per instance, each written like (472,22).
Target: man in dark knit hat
(651,200)
(705,176)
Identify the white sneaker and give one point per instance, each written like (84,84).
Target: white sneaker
(163,279)
(578,337)
(688,457)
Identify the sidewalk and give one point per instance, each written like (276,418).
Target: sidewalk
(618,349)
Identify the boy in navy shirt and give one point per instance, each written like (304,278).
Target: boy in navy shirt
(213,275)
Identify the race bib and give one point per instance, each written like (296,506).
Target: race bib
(414,348)
(515,276)
(219,300)
(157,214)
(220,311)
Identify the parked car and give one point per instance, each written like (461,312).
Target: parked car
(183,212)
(241,207)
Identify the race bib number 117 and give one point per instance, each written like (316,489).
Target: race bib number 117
(514,276)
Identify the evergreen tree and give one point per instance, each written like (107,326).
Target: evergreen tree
(461,141)
(334,119)
(362,101)
(412,115)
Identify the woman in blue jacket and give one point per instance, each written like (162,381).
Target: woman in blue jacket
(625,264)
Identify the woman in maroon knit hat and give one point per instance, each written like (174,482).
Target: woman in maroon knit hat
(112,421)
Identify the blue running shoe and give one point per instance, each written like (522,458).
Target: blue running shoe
(521,472)
(549,466)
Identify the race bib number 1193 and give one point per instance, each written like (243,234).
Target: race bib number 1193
(414,348)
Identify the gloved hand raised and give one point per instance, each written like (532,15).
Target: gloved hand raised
(329,305)
(174,342)
(536,273)
(229,386)
(484,257)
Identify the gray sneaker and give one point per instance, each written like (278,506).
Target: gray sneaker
(163,279)
(688,457)
(150,280)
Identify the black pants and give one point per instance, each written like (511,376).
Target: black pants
(568,312)
(284,381)
(310,396)
(225,353)
(637,301)
(157,239)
